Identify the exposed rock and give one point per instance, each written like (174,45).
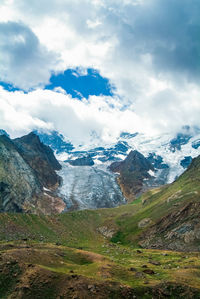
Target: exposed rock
(56,141)
(133,170)
(41,159)
(139,275)
(149,271)
(3,132)
(156,263)
(85,161)
(17,180)
(133,269)
(25,168)
(186,162)
(180,139)
(144,222)
(178,233)
(189,237)
(106,232)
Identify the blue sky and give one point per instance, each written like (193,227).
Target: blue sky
(78,85)
(81,85)
(8,86)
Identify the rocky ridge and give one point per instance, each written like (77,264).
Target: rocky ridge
(179,228)
(27,169)
(136,174)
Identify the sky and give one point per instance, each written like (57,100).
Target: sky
(99,66)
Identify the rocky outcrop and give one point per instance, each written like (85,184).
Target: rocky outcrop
(179,230)
(27,167)
(40,158)
(17,179)
(132,173)
(85,161)
(178,227)
(144,222)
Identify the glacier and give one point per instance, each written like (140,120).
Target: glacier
(89,187)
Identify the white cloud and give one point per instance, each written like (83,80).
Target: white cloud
(22,112)
(25,63)
(148,49)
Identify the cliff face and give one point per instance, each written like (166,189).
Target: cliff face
(17,180)
(26,167)
(40,158)
(132,172)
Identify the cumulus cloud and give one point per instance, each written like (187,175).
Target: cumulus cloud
(24,61)
(148,49)
(21,112)
(78,120)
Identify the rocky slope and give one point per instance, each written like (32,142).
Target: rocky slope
(40,158)
(179,227)
(18,184)
(26,168)
(167,217)
(137,174)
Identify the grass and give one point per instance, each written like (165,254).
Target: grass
(72,243)
(110,263)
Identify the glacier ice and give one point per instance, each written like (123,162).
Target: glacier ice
(89,187)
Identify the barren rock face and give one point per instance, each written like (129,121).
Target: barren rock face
(41,159)
(180,230)
(144,222)
(133,172)
(17,180)
(26,167)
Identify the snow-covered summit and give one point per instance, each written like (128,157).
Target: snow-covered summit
(174,152)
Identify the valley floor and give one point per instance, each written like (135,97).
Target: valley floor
(42,270)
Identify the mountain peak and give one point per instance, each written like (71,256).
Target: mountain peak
(3,132)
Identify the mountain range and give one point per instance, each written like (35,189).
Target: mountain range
(101,176)
(169,156)
(174,152)
(146,248)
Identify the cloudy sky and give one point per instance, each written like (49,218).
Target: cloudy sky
(99,65)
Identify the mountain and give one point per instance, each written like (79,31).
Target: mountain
(27,167)
(32,180)
(167,150)
(167,217)
(146,249)
(85,161)
(3,132)
(55,140)
(134,170)
(178,227)
(92,185)
(40,158)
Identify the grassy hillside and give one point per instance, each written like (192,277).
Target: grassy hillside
(98,254)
